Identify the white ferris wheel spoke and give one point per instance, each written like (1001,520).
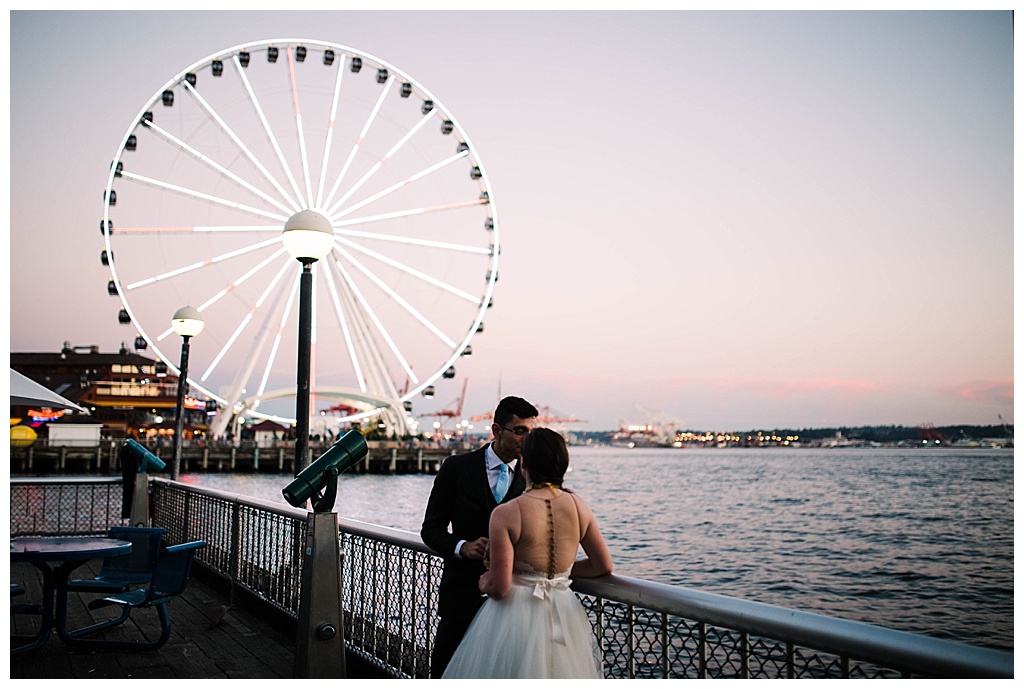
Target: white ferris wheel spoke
(237,388)
(241,326)
(406,213)
(224,292)
(209,162)
(199,228)
(398,298)
(298,125)
(343,322)
(200,195)
(415,242)
(238,142)
(280,333)
(411,271)
(359,139)
(312,343)
(376,321)
(330,138)
(203,264)
(399,185)
(380,382)
(227,345)
(380,163)
(269,367)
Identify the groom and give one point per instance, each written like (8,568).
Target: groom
(466,489)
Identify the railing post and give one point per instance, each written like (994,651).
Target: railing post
(702,645)
(235,557)
(666,664)
(744,656)
(631,646)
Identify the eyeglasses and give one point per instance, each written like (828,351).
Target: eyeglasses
(519,432)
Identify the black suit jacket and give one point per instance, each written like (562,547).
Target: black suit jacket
(461,497)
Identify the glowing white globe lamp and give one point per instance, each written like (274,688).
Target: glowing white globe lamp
(308,236)
(187,322)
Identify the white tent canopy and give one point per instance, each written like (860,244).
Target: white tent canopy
(27,392)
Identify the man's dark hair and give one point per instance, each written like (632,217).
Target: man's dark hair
(513,406)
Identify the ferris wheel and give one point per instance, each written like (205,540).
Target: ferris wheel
(217,161)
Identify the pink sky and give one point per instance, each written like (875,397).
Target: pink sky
(721,220)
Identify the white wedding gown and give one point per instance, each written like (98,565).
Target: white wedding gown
(538,630)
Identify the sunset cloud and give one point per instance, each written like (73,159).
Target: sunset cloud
(985,391)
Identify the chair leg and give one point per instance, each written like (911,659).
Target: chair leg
(77,634)
(76,638)
(165,625)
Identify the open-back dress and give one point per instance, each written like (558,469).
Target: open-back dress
(539,629)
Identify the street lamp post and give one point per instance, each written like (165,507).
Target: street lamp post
(308,236)
(187,323)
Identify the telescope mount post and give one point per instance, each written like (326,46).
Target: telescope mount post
(320,642)
(140,500)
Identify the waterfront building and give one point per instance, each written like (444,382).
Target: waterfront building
(128,394)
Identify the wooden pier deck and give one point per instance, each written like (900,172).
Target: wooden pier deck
(211,638)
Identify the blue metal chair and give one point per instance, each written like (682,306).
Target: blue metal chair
(23,608)
(170,579)
(121,573)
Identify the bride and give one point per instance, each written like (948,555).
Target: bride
(532,625)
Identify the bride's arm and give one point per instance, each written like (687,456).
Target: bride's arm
(598,561)
(504,526)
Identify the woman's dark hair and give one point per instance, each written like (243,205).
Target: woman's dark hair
(545,456)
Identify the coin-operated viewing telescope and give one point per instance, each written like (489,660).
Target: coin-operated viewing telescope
(135,460)
(323,473)
(132,453)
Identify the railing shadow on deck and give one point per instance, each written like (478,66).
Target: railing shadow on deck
(645,629)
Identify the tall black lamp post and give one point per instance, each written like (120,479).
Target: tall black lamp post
(188,323)
(308,236)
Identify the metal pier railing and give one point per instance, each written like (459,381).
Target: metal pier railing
(645,629)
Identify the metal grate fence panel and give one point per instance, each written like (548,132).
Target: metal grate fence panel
(47,507)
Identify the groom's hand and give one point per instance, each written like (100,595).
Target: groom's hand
(474,550)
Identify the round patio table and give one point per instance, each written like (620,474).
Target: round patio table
(70,552)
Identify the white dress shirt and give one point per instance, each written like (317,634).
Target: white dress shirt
(493,469)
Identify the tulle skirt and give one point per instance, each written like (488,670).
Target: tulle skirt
(538,630)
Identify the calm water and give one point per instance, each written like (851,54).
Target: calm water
(917,540)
